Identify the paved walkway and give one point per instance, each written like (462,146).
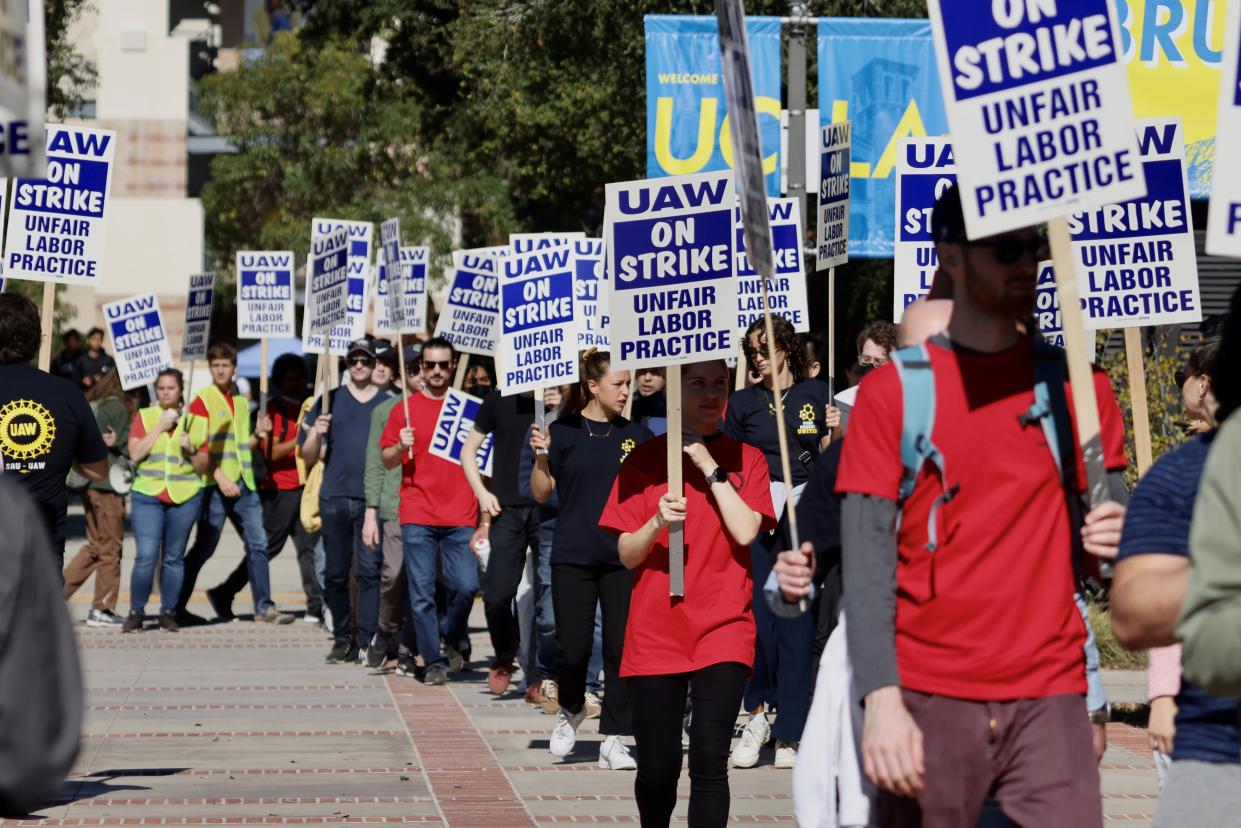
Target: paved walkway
(241,724)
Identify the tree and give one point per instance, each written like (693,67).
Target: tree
(70,77)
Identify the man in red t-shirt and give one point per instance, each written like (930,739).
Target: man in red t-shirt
(280,493)
(970,658)
(438,514)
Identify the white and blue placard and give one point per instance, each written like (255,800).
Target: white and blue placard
(23,89)
(1136,263)
(327,286)
(198,304)
(361,239)
(528,242)
(538,331)
(453,427)
(412,299)
(1037,97)
(1224,213)
(835,164)
(57,224)
(590,293)
(1047,305)
(265,294)
(787,289)
(470,319)
(392,287)
(139,341)
(925,167)
(670,255)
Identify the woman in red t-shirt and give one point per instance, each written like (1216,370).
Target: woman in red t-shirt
(702,644)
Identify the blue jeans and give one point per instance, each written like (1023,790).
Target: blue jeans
(343,549)
(246,515)
(450,545)
(157,527)
(545,659)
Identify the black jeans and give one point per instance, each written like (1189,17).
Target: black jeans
(658,704)
(514,534)
(344,551)
(576,591)
(282,519)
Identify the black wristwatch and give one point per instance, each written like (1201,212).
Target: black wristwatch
(717,476)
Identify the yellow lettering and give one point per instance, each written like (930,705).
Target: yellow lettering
(663,138)
(910,126)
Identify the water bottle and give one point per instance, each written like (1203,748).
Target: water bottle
(482,548)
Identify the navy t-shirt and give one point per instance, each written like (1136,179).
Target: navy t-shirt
(751,418)
(1157,521)
(344,467)
(584,458)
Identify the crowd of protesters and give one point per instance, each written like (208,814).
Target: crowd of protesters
(967,648)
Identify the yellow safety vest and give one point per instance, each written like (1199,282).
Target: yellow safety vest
(166,468)
(228,436)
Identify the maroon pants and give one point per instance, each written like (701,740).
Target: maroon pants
(1035,756)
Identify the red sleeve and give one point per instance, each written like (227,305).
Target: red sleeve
(870,459)
(136,429)
(1111,423)
(392,429)
(630,501)
(756,486)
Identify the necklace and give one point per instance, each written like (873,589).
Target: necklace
(771,399)
(590,432)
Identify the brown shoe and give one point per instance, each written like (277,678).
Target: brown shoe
(499,677)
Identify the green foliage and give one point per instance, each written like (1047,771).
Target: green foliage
(70,77)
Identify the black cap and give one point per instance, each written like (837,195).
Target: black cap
(947,218)
(384,351)
(413,354)
(362,346)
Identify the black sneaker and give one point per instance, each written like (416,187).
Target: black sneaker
(436,675)
(377,652)
(133,623)
(405,665)
(339,653)
(168,623)
(458,659)
(221,604)
(185,618)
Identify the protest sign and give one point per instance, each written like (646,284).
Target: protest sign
(453,426)
(139,342)
(670,251)
(1038,104)
(787,289)
(23,89)
(1136,263)
(1047,305)
(415,263)
(392,272)
(56,225)
(198,302)
(835,184)
(471,314)
(361,235)
(265,294)
(538,332)
(590,294)
(1224,214)
(925,167)
(327,285)
(527,242)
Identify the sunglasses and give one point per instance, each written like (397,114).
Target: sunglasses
(366,361)
(442,364)
(1009,251)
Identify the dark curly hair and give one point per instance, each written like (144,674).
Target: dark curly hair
(787,341)
(881,333)
(20,334)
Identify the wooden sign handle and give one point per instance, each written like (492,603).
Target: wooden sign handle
(742,366)
(676,487)
(263,376)
(1137,399)
(831,334)
(400,356)
(1085,402)
(328,373)
(47,322)
(463,365)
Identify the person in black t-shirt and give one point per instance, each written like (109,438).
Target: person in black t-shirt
(584,449)
(95,360)
(65,363)
(46,427)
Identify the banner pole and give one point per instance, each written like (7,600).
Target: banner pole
(400,356)
(1137,399)
(48,318)
(1085,403)
(676,532)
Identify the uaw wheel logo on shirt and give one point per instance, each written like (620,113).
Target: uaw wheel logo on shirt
(27,431)
(627,445)
(806,415)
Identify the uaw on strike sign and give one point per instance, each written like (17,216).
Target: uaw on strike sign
(925,167)
(1038,106)
(537,329)
(670,255)
(139,341)
(264,294)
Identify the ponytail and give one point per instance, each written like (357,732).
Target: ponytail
(592,365)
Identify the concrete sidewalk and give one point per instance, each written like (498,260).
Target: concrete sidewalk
(245,724)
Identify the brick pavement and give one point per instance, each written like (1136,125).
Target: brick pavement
(242,724)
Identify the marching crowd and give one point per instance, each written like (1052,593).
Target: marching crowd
(967,643)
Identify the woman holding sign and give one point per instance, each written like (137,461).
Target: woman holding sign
(702,645)
(577,457)
(783,660)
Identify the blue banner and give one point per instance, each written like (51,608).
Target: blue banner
(880,74)
(686,130)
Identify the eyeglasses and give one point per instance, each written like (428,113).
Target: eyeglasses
(442,364)
(871,361)
(366,361)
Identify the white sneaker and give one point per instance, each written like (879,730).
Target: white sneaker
(786,755)
(613,755)
(564,736)
(755,734)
